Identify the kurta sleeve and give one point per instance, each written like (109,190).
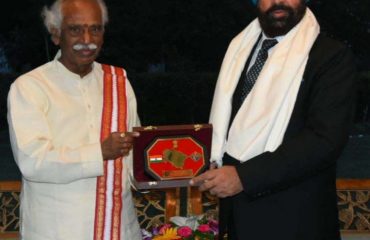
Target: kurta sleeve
(35,153)
(133,121)
(319,142)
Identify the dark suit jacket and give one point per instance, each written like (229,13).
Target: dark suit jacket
(290,193)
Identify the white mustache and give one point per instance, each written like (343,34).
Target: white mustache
(81,46)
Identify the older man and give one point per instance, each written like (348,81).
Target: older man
(281,114)
(69,125)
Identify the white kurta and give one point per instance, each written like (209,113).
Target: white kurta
(54,120)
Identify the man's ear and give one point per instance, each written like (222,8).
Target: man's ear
(55,36)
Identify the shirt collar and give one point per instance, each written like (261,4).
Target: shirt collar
(278,38)
(61,68)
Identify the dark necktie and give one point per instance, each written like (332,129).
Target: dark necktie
(247,81)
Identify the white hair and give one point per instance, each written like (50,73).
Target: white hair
(53,16)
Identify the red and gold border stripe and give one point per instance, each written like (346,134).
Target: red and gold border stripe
(106,127)
(118,164)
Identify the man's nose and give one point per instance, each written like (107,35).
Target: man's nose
(86,36)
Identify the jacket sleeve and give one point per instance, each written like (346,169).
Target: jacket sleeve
(319,142)
(32,142)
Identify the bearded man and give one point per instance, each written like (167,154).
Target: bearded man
(69,123)
(281,114)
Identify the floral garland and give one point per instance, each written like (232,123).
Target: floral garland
(191,228)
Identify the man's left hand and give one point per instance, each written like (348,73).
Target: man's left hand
(118,144)
(222,182)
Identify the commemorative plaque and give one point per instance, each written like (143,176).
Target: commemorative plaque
(169,156)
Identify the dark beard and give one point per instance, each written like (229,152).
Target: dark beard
(273,27)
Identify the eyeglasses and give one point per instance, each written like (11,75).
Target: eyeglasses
(79,30)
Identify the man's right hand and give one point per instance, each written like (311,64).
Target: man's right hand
(221,182)
(118,144)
